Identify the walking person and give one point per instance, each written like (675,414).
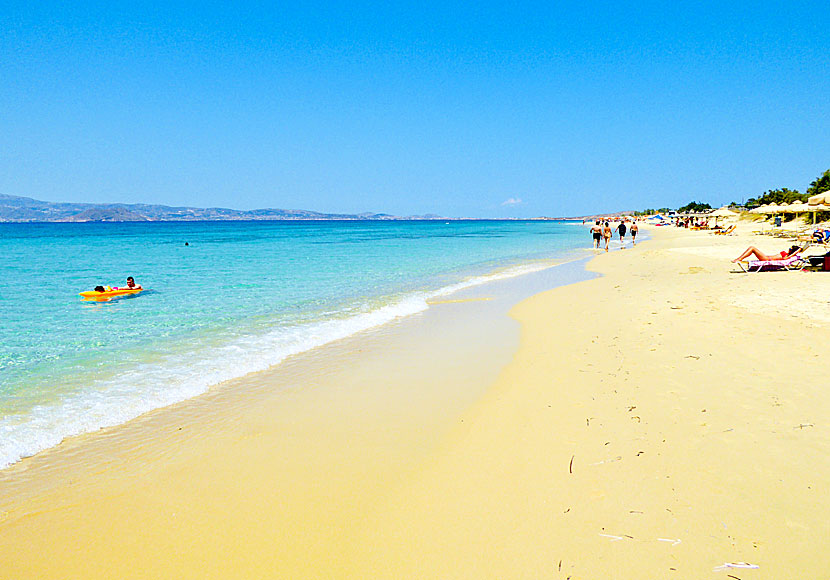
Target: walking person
(607,233)
(634,233)
(621,228)
(596,232)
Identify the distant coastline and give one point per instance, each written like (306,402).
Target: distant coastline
(25,209)
(16,209)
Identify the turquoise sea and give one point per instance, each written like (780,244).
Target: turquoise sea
(239,297)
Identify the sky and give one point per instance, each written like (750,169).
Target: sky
(503,109)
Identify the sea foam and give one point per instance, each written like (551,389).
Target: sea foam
(177,377)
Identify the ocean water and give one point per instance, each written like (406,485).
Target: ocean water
(239,298)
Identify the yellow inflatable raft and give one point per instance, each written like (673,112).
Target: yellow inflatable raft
(107,294)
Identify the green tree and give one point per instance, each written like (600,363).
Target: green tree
(694,206)
(779,196)
(820,185)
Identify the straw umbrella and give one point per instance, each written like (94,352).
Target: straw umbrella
(819,199)
(795,207)
(817,203)
(773,209)
(768,209)
(723,212)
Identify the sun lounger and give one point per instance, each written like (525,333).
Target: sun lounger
(725,232)
(791,263)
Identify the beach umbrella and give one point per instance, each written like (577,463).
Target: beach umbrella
(764,209)
(818,203)
(820,199)
(723,212)
(795,207)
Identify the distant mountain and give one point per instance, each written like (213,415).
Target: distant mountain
(602,216)
(25,209)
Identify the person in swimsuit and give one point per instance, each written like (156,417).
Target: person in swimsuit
(606,233)
(759,255)
(634,233)
(621,228)
(596,231)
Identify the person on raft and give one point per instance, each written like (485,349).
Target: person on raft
(131,284)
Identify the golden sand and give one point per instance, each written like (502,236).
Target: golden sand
(660,421)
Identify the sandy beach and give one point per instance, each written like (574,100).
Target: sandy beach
(665,419)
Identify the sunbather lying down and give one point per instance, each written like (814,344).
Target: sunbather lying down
(759,255)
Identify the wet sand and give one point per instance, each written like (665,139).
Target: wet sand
(270,475)
(651,426)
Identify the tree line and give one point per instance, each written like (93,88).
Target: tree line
(780,196)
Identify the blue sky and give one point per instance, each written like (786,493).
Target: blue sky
(482,109)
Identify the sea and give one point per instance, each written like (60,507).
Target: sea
(222,299)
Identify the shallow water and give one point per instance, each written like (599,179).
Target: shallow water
(240,297)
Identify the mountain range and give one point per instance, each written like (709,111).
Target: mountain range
(25,209)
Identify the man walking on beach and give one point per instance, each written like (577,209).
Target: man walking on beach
(634,233)
(621,228)
(596,232)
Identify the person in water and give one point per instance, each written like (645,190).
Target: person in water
(606,233)
(621,229)
(596,232)
(759,255)
(131,285)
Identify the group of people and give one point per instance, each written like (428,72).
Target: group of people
(690,222)
(602,231)
(131,285)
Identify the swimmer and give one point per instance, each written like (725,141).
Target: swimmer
(132,285)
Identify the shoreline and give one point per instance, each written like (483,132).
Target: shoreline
(115,400)
(635,428)
(335,422)
(655,439)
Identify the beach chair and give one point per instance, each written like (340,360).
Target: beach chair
(727,231)
(796,262)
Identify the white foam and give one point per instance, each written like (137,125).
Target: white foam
(181,376)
